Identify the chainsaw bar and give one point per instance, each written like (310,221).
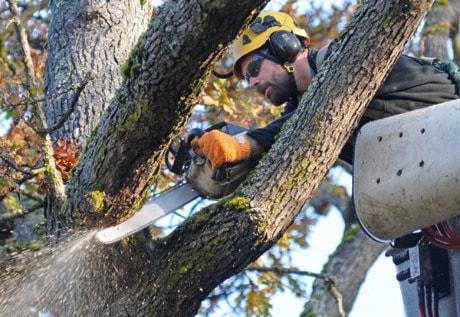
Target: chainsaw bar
(153,210)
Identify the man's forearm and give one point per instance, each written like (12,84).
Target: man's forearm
(257,149)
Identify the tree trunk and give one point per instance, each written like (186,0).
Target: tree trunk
(441,25)
(347,268)
(74,27)
(171,276)
(88,37)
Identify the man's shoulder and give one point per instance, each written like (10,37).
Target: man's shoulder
(316,57)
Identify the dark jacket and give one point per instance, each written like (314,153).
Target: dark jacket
(412,84)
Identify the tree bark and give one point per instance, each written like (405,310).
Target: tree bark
(74,26)
(441,25)
(164,76)
(171,276)
(88,37)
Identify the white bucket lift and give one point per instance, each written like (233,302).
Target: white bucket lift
(407,171)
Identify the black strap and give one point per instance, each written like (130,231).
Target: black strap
(289,67)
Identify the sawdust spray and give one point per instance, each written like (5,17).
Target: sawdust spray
(50,286)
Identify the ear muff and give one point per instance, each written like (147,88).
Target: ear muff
(285,45)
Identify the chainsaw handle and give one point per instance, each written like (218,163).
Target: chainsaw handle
(195,132)
(229,128)
(180,152)
(178,156)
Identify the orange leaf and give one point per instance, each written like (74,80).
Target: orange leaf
(66,156)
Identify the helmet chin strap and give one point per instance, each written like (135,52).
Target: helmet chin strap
(289,67)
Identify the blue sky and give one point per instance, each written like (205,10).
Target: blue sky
(379,296)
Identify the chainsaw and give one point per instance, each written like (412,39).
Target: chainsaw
(200,181)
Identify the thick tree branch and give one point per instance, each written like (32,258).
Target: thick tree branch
(164,76)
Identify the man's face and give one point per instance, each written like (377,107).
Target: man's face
(268,78)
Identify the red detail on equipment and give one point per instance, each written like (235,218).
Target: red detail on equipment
(442,235)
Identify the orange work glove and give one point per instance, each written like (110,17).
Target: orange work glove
(220,147)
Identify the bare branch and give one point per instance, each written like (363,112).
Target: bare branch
(34,196)
(57,184)
(329,279)
(79,88)
(279,270)
(28,63)
(11,216)
(30,10)
(27,170)
(332,288)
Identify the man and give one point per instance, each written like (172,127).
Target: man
(274,57)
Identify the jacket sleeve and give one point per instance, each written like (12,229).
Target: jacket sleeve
(266,136)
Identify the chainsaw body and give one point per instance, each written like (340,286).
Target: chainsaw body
(202,181)
(182,160)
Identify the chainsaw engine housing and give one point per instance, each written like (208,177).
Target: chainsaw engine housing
(218,183)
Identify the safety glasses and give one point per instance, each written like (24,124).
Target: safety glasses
(253,68)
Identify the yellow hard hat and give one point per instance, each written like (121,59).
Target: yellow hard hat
(259,32)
